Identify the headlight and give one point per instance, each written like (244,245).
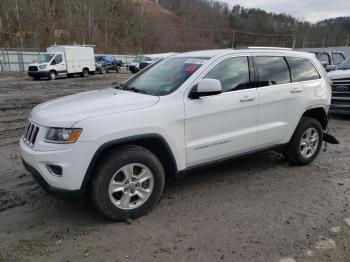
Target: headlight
(62,135)
(42,66)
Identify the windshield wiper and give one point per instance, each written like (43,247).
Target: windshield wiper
(122,86)
(134,89)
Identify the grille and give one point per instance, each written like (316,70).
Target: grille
(30,132)
(340,94)
(33,68)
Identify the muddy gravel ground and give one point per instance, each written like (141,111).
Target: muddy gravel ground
(256,209)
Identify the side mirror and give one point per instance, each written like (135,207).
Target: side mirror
(324,63)
(206,87)
(53,62)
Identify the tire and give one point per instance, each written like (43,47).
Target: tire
(306,142)
(117,70)
(52,75)
(85,72)
(103,70)
(125,202)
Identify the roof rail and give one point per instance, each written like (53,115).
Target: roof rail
(268,47)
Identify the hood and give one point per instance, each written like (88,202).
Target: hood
(336,74)
(66,111)
(37,64)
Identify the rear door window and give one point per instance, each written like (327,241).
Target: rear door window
(302,69)
(272,70)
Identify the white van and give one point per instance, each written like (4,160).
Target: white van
(63,60)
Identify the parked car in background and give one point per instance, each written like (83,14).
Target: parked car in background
(105,63)
(118,145)
(63,60)
(341,88)
(330,59)
(142,61)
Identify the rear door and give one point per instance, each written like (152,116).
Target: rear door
(281,102)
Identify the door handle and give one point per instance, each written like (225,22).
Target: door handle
(247,99)
(295,91)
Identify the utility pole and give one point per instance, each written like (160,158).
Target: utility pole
(324,42)
(233,38)
(294,41)
(347,40)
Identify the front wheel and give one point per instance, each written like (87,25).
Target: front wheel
(52,75)
(127,183)
(306,142)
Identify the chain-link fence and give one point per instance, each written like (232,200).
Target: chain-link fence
(16,60)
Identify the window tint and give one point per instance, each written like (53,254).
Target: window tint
(324,58)
(58,59)
(338,58)
(272,70)
(302,69)
(233,73)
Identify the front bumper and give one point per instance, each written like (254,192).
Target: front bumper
(73,159)
(38,73)
(74,195)
(133,69)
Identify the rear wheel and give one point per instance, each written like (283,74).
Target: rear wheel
(103,70)
(85,72)
(127,183)
(306,142)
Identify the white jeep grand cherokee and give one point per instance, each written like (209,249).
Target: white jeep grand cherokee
(118,145)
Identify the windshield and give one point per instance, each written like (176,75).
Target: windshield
(167,75)
(138,58)
(99,58)
(345,64)
(44,58)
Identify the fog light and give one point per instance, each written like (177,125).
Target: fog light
(54,170)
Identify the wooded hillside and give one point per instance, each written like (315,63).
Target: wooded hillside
(137,26)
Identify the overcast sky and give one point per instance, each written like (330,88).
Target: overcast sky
(309,10)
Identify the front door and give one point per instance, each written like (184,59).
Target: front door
(223,125)
(60,64)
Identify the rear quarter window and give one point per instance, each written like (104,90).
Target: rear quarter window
(302,69)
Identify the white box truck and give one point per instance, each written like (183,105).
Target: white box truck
(63,60)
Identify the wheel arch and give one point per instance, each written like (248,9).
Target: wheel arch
(319,114)
(153,142)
